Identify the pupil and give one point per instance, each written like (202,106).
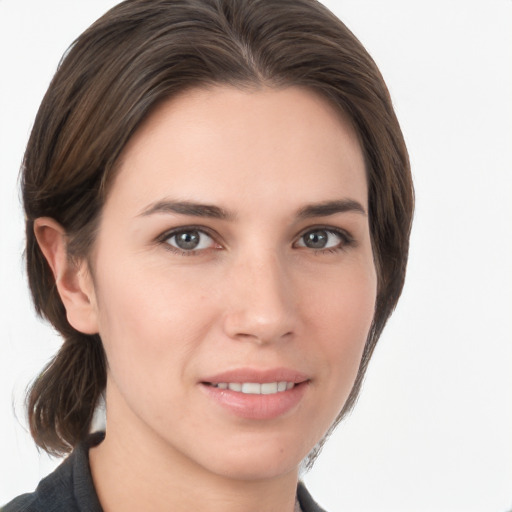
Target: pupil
(188,240)
(316,239)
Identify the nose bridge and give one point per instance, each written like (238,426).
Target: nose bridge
(262,304)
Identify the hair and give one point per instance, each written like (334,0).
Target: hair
(141,53)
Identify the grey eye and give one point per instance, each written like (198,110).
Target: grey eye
(316,239)
(190,240)
(320,239)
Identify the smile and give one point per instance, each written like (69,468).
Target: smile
(255,388)
(256,400)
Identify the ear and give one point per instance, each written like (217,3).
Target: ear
(73,279)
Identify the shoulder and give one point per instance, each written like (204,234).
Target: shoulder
(23,503)
(307,503)
(53,494)
(68,489)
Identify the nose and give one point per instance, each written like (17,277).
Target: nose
(261,304)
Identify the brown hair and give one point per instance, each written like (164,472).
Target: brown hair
(141,53)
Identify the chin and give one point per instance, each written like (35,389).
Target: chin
(255,468)
(260,458)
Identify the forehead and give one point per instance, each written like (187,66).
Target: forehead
(215,144)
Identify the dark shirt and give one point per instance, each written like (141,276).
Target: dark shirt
(70,489)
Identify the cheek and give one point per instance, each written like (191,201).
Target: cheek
(150,329)
(149,319)
(341,314)
(344,301)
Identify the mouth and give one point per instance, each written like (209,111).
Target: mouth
(255,394)
(255,388)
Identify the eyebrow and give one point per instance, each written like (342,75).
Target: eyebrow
(188,208)
(327,208)
(323,209)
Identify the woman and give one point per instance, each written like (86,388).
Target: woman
(218,204)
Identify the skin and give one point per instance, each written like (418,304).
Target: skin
(254,295)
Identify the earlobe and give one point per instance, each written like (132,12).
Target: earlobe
(73,279)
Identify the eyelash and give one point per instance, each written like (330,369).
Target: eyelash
(165,237)
(346,240)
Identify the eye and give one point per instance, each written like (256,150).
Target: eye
(189,240)
(323,238)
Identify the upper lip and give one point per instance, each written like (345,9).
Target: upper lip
(257,375)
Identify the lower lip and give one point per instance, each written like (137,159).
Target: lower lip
(257,407)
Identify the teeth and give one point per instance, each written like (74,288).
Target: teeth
(269,388)
(254,388)
(251,388)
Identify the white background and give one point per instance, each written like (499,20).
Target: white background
(433,428)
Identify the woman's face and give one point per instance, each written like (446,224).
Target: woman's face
(234,284)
